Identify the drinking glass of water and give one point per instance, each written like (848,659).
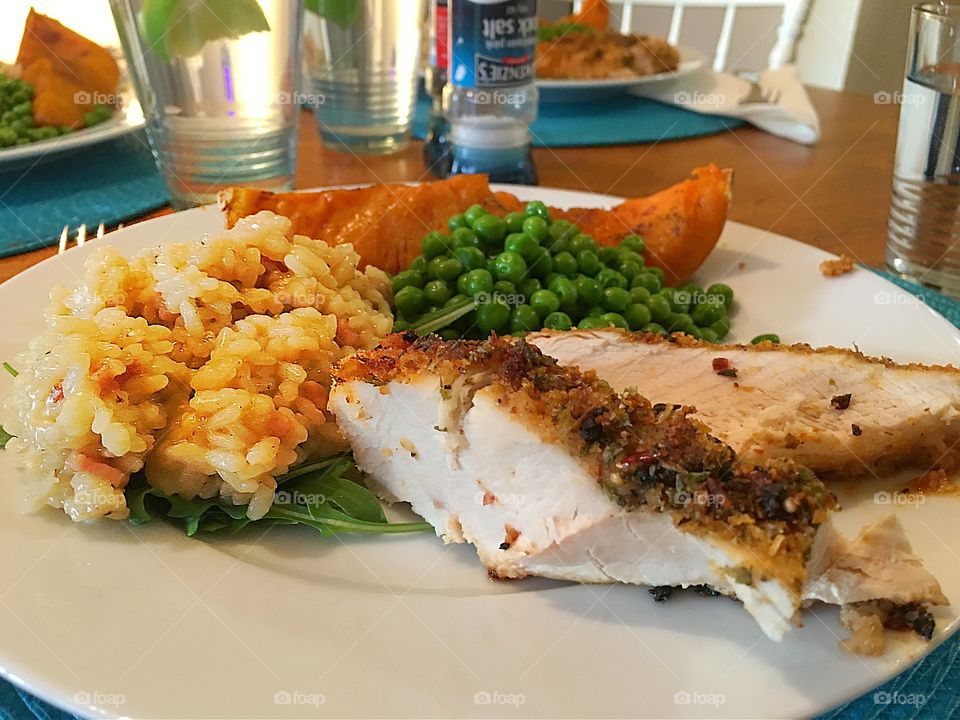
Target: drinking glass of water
(363,58)
(923,235)
(218,81)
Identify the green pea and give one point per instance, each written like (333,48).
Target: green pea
(492,265)
(694,332)
(582,242)
(615,299)
(708,335)
(565,291)
(593,323)
(524,245)
(661,275)
(637,315)
(707,313)
(7,137)
(400,325)
(528,287)
(506,291)
(557,321)
(510,266)
(647,280)
(680,322)
(639,294)
(514,222)
(721,327)
(407,278)
(560,237)
(588,290)
(544,303)
(588,262)
(473,213)
(635,243)
(615,319)
(659,308)
(409,301)
(434,244)
(565,264)
(537,228)
(542,263)
(537,208)
(475,282)
(724,291)
(610,256)
(437,292)
(595,311)
(464,237)
(766,337)
(625,255)
(630,269)
(449,269)
(448,333)
(654,328)
(492,316)
(456,299)
(470,257)
(679,300)
(457,221)
(523,318)
(611,278)
(490,229)
(419,266)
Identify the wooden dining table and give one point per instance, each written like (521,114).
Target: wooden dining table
(834,194)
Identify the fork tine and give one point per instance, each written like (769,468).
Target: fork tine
(64,236)
(101,231)
(82,236)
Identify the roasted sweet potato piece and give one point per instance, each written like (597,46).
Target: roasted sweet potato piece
(594,13)
(78,59)
(56,99)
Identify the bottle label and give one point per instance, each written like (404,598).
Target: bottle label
(441,29)
(492,42)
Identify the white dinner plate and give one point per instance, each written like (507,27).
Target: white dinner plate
(126,120)
(556,91)
(109,619)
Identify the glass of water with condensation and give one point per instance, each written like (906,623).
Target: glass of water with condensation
(923,235)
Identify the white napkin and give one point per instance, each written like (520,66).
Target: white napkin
(791,116)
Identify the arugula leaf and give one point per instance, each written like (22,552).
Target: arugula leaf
(4,438)
(10,369)
(325,495)
(442,318)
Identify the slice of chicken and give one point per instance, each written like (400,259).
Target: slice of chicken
(784,401)
(495,445)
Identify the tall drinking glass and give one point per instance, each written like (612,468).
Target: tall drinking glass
(923,235)
(219,87)
(363,65)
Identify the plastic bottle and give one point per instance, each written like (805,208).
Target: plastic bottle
(490,98)
(436,145)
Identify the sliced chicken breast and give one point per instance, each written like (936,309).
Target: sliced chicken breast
(549,472)
(828,409)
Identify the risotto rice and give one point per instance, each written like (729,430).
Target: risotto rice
(204,363)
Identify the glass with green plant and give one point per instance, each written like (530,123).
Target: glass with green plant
(218,81)
(363,58)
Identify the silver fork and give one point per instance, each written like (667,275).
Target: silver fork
(81,237)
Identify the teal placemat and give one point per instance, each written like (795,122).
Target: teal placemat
(618,120)
(929,689)
(105,183)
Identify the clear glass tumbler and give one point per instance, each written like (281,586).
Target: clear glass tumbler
(923,235)
(363,67)
(219,91)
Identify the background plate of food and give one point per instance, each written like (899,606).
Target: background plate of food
(63,93)
(109,618)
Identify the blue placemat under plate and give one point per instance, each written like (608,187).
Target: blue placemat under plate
(105,183)
(618,120)
(929,689)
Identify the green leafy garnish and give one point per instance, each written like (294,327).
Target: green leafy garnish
(342,12)
(4,438)
(325,495)
(180,28)
(546,33)
(10,369)
(444,317)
